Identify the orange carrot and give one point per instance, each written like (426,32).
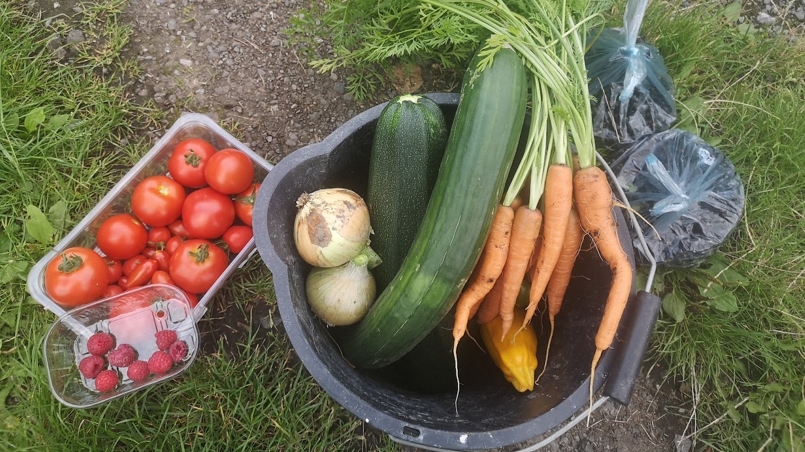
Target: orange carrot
(560,278)
(525,231)
(593,197)
(490,307)
(487,271)
(558,201)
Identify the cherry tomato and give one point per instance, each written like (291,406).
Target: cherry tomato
(237,237)
(157,200)
(188,161)
(131,263)
(123,282)
(197,264)
(229,171)
(177,228)
(121,236)
(115,268)
(112,290)
(142,274)
(158,236)
(207,214)
(163,259)
(76,276)
(173,243)
(244,204)
(162,277)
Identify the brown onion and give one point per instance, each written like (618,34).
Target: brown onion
(332,226)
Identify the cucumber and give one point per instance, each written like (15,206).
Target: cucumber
(408,146)
(480,149)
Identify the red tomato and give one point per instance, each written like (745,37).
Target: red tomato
(142,274)
(76,276)
(207,213)
(173,243)
(177,228)
(163,259)
(188,161)
(244,204)
(112,290)
(237,237)
(197,264)
(229,171)
(115,270)
(157,200)
(133,262)
(192,298)
(162,277)
(159,236)
(123,282)
(121,236)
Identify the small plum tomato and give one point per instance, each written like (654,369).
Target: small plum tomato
(244,204)
(237,237)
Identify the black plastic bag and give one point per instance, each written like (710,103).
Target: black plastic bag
(686,189)
(631,88)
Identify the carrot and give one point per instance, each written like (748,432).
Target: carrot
(490,307)
(525,231)
(560,278)
(487,271)
(593,197)
(558,202)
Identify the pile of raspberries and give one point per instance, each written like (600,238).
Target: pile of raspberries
(101,347)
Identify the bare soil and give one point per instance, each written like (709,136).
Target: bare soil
(230,59)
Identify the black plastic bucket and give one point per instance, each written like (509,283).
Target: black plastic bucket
(489,412)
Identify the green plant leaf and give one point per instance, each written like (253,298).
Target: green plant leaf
(12,270)
(774,387)
(719,298)
(34,119)
(755,407)
(56,122)
(801,408)
(59,216)
(732,12)
(38,226)
(674,306)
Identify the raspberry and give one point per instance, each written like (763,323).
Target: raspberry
(100,343)
(122,356)
(160,362)
(91,366)
(138,371)
(165,338)
(106,381)
(178,350)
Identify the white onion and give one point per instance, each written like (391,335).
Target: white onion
(332,226)
(342,295)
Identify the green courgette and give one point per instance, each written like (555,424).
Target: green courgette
(480,150)
(408,146)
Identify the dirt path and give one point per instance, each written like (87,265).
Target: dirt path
(230,60)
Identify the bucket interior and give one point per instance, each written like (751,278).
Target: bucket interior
(415,398)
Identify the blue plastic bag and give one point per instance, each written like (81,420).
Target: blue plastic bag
(686,189)
(631,88)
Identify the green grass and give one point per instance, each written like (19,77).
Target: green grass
(67,134)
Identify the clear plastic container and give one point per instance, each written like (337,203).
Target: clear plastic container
(118,200)
(133,317)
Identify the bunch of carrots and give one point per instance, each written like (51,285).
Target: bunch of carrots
(537,231)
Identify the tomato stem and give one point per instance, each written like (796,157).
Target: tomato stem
(201,253)
(70,263)
(192,159)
